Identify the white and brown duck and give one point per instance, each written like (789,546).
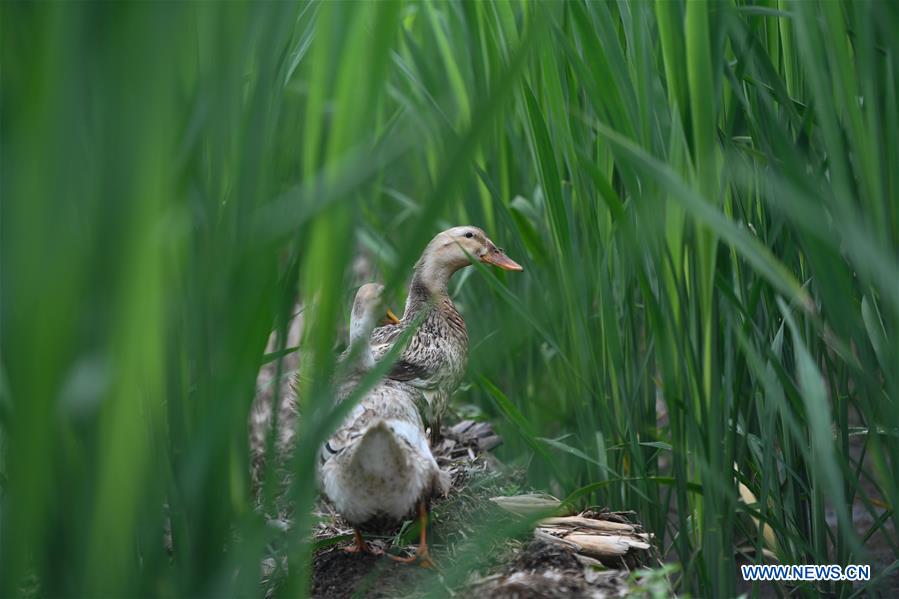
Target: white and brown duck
(437,354)
(377,467)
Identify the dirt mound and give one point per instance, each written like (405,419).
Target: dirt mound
(339,574)
(547,570)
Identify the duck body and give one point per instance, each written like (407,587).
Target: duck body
(436,357)
(377,467)
(435,360)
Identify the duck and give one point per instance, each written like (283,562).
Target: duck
(377,467)
(261,418)
(435,359)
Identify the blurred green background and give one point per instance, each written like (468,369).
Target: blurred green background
(704,195)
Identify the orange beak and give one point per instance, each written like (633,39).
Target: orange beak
(390,317)
(497,257)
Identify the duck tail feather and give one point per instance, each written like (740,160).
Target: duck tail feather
(380,451)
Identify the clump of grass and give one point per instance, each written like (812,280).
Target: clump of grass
(703,195)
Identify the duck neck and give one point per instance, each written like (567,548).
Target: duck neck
(360,344)
(428,288)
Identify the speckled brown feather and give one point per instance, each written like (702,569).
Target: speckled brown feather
(436,357)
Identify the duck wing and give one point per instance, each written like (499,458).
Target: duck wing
(351,429)
(415,364)
(412,368)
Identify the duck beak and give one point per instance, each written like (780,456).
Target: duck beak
(497,257)
(390,317)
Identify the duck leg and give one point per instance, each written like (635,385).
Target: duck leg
(360,546)
(422,553)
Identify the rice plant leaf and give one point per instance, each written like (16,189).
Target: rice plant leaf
(515,416)
(739,238)
(568,449)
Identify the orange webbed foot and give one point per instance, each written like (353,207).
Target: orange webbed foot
(360,546)
(422,553)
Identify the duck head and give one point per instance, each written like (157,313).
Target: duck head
(454,249)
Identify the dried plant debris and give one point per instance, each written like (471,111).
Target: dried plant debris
(546,569)
(599,535)
(467,438)
(592,554)
(528,504)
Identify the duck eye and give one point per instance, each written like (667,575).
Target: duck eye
(469,234)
